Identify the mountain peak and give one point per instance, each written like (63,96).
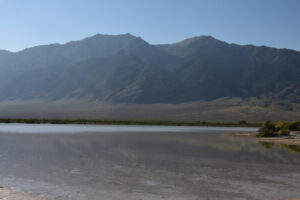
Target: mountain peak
(205,39)
(109,36)
(128,35)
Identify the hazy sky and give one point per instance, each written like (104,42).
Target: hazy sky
(26,23)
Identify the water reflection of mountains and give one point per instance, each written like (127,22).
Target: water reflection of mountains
(152,149)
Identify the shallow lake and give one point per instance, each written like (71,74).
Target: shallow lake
(107,162)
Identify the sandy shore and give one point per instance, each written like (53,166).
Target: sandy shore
(293,139)
(8,194)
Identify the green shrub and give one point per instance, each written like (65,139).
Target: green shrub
(281,125)
(270,129)
(265,132)
(294,126)
(269,125)
(283,131)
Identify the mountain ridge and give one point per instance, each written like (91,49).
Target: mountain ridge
(127,69)
(129,34)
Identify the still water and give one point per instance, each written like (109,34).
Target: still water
(95,162)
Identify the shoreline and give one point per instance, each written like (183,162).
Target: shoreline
(127,122)
(293,139)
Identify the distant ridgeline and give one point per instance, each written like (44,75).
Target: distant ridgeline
(127,69)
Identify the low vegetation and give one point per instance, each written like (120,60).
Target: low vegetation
(270,129)
(241,123)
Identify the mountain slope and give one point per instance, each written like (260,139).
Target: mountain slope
(120,78)
(30,73)
(216,69)
(127,69)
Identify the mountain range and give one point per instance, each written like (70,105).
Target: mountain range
(127,69)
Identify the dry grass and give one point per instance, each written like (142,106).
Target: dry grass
(225,109)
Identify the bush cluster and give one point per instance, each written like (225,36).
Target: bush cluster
(270,129)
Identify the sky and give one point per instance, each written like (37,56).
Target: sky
(27,23)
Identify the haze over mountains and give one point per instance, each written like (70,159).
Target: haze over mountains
(127,69)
